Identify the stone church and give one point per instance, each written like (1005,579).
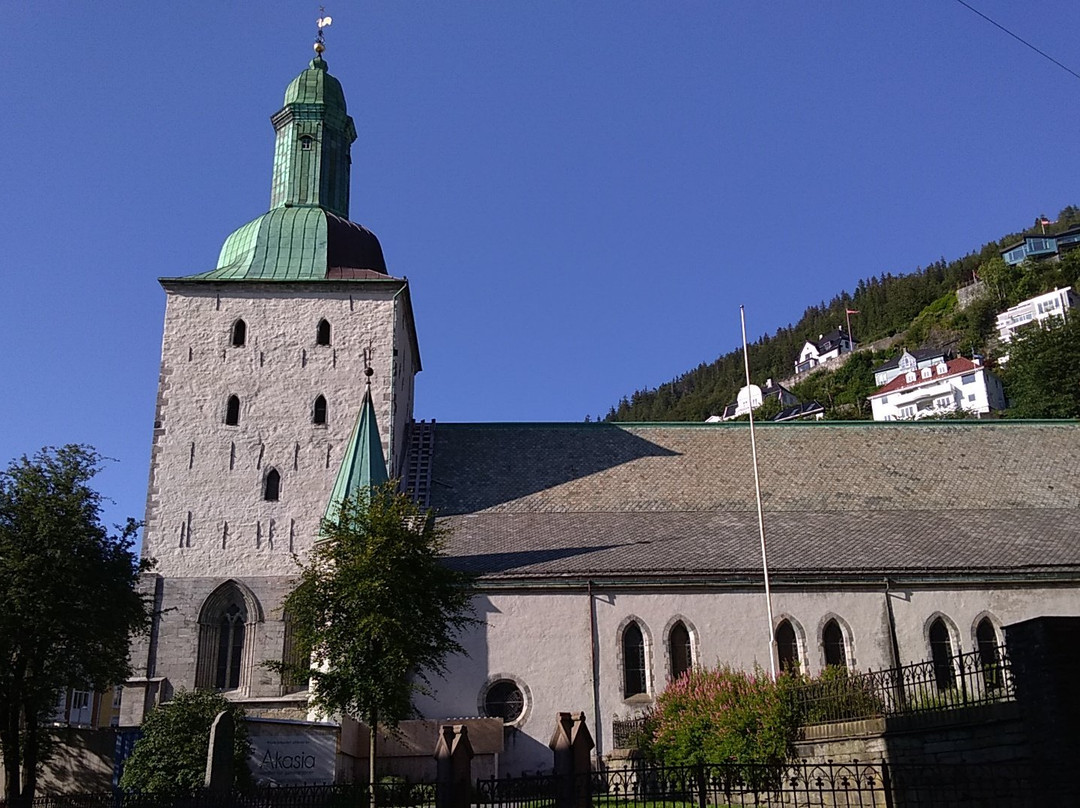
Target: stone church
(610,557)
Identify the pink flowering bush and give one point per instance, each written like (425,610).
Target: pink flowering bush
(721,714)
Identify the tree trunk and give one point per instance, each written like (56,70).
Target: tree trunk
(373,734)
(30,753)
(9,739)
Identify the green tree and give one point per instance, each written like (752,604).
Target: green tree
(68,600)
(1042,378)
(377,611)
(169,760)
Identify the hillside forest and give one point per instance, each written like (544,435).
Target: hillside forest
(915,310)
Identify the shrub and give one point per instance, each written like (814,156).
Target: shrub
(721,715)
(170,758)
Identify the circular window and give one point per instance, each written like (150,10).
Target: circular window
(504,700)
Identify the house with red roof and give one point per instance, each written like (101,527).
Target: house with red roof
(938,389)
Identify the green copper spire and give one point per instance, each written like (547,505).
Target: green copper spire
(363,467)
(314,138)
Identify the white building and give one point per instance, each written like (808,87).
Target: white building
(908,361)
(828,346)
(1036,309)
(752,396)
(946,387)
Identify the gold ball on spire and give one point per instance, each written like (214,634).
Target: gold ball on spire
(319,48)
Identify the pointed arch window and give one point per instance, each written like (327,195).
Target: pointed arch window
(633,648)
(232,411)
(941,653)
(832,639)
(292,678)
(272,486)
(226,628)
(682,657)
(986,643)
(787,646)
(239,333)
(322,333)
(318,410)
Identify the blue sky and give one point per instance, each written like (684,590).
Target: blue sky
(581,194)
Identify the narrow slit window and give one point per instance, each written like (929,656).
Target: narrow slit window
(232,411)
(307,143)
(239,333)
(318,411)
(322,333)
(272,486)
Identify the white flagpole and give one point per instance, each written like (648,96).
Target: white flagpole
(760,513)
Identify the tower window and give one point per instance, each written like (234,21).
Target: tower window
(322,333)
(318,411)
(832,638)
(307,143)
(239,333)
(272,486)
(232,411)
(633,647)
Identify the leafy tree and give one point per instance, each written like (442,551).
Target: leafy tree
(169,760)
(376,611)
(1042,377)
(68,600)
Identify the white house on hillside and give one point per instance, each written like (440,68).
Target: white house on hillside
(751,397)
(828,346)
(906,361)
(959,384)
(1036,309)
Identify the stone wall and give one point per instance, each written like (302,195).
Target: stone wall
(82,763)
(985,734)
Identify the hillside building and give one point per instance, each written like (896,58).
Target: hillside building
(828,346)
(1035,310)
(940,389)
(609,557)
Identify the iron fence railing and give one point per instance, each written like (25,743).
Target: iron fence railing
(702,786)
(962,680)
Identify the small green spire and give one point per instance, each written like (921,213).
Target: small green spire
(363,466)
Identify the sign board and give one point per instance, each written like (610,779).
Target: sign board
(291,754)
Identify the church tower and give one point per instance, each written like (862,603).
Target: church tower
(265,361)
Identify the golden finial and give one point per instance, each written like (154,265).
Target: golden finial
(324,21)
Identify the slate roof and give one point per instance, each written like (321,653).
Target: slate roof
(550,502)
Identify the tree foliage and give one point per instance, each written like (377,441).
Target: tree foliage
(376,610)
(169,759)
(1043,373)
(68,599)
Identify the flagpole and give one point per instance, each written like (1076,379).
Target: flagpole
(850,336)
(760,513)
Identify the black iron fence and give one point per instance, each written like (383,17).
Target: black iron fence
(702,786)
(948,683)
(796,785)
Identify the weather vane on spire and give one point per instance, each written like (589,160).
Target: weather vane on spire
(324,21)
